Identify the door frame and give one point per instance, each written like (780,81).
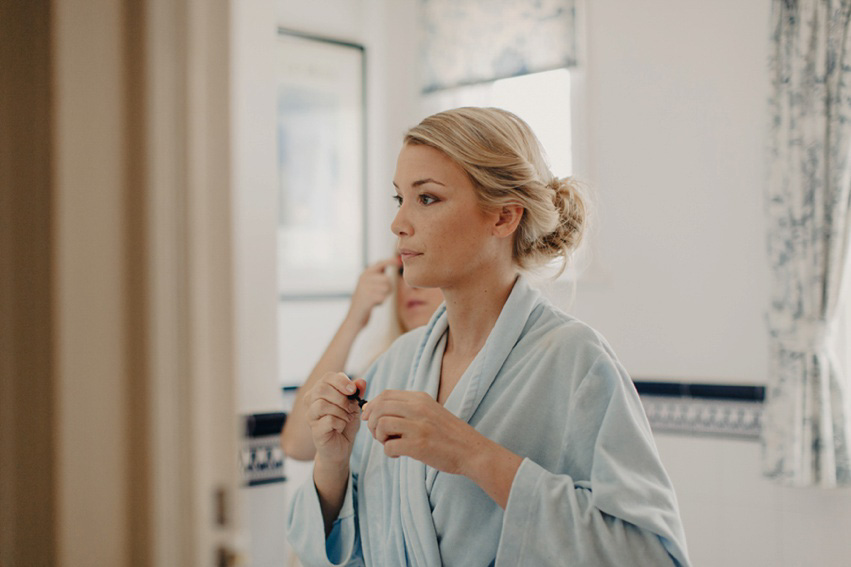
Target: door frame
(116,287)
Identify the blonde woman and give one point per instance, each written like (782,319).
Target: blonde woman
(412,308)
(505,431)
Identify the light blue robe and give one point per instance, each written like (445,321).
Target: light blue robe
(591,489)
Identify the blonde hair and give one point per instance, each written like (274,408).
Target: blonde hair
(507,165)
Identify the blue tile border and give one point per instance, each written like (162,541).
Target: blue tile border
(703,391)
(263,424)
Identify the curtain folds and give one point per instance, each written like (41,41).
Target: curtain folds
(807,417)
(466,42)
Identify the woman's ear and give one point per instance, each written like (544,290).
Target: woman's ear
(508,220)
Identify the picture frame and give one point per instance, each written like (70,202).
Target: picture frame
(321,161)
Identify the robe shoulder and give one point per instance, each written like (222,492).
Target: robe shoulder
(565,348)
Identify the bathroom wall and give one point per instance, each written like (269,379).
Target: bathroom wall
(674,129)
(675,134)
(669,134)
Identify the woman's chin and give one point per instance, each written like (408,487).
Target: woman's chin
(413,279)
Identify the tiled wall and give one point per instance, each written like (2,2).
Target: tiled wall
(734,517)
(264,491)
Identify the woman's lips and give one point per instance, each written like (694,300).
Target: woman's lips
(414,303)
(407,254)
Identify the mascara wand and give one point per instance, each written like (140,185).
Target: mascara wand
(358,399)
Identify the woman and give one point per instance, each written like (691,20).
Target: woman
(412,308)
(505,432)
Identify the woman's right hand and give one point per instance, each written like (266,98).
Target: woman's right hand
(334,419)
(374,286)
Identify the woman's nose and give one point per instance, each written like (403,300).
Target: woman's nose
(400,224)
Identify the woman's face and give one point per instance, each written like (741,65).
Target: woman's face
(445,238)
(416,305)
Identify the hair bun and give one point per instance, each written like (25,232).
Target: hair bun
(570,206)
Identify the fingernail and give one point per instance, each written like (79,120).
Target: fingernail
(351,388)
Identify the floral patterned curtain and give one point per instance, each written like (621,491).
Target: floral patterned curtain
(807,419)
(475,41)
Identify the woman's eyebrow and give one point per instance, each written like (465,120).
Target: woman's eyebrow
(422,182)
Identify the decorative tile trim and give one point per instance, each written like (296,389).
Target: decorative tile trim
(694,416)
(261,460)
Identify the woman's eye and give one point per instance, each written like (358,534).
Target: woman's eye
(427,199)
(398,199)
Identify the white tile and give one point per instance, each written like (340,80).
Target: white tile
(816,526)
(265,519)
(733,516)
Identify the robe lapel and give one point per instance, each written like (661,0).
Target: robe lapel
(417,522)
(505,334)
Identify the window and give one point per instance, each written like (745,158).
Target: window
(541,99)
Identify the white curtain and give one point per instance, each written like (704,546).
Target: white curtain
(807,419)
(466,42)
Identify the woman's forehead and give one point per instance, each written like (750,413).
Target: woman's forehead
(419,164)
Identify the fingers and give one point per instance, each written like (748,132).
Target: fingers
(360,384)
(373,288)
(401,403)
(414,425)
(328,424)
(395,447)
(393,414)
(322,408)
(340,382)
(329,397)
(390,427)
(402,437)
(381,408)
(382,265)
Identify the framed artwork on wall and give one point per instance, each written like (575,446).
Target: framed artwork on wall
(321,161)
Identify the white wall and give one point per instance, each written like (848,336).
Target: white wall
(253,33)
(255,209)
(675,101)
(674,129)
(735,518)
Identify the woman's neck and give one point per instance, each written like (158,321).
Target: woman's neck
(472,311)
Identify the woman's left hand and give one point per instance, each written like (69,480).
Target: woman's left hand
(413,424)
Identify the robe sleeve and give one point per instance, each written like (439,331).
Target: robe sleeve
(305,526)
(623,513)
(306,529)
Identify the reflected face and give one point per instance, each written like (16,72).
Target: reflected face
(416,305)
(445,237)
